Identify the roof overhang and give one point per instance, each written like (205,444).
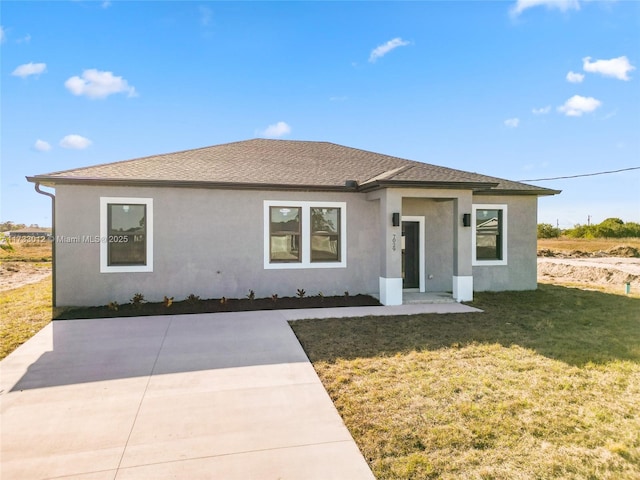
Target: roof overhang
(118,182)
(541,193)
(478,188)
(378,184)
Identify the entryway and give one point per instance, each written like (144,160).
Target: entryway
(413,251)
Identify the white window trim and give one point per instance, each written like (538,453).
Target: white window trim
(104,233)
(305,235)
(504,236)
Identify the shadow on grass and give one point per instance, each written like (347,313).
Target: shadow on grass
(566,324)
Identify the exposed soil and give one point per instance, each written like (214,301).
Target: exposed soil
(217,305)
(18,274)
(624,251)
(599,271)
(617,265)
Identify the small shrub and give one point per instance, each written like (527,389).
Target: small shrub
(251,295)
(301,293)
(546,230)
(113,306)
(346,294)
(4,243)
(137,300)
(167,301)
(274,297)
(192,299)
(223,301)
(321,296)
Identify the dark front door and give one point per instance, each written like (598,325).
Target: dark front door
(410,255)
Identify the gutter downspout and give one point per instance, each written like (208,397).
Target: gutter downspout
(53,246)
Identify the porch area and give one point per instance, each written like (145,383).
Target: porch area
(425,245)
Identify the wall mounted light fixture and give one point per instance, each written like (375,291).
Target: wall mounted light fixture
(466,219)
(395,219)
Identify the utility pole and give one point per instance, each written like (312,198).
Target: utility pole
(588,220)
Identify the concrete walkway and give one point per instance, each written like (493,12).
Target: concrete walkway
(229,396)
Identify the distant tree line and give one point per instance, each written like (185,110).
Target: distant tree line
(9,226)
(609,228)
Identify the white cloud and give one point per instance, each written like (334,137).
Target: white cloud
(577,105)
(3,35)
(381,50)
(25,39)
(75,142)
(542,110)
(276,130)
(29,69)
(342,98)
(575,77)
(42,146)
(616,67)
(512,122)
(98,84)
(106,4)
(562,5)
(205,15)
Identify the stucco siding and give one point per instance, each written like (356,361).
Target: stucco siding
(520,273)
(206,242)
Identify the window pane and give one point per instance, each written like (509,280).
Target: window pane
(127,234)
(284,235)
(325,234)
(489,234)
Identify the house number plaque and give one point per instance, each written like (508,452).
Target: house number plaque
(393,242)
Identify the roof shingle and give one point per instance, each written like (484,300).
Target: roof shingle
(262,162)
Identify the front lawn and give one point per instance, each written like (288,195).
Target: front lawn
(542,385)
(23,313)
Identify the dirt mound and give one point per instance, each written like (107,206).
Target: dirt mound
(17,274)
(586,274)
(624,251)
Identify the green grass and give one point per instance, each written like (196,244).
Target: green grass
(23,312)
(542,385)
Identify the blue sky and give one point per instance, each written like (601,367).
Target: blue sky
(517,89)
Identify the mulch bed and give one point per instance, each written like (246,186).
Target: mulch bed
(216,305)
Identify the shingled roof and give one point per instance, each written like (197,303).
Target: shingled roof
(283,164)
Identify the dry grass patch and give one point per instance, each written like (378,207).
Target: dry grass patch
(566,244)
(543,385)
(22,251)
(23,312)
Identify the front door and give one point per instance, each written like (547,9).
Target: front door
(410,255)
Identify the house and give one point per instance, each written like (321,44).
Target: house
(275,216)
(27,233)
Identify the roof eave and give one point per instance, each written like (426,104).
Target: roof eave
(53,181)
(378,184)
(540,193)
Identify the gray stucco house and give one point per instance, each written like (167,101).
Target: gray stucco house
(276,215)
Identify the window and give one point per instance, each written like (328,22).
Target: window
(304,234)
(126,231)
(490,234)
(325,234)
(284,237)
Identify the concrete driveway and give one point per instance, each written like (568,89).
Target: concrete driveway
(211,396)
